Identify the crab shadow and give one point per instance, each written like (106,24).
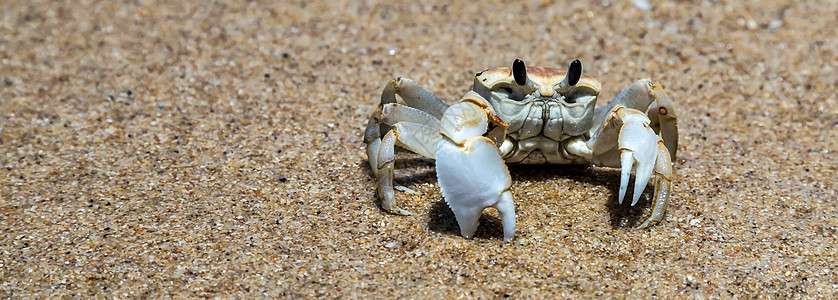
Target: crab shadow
(417,169)
(621,215)
(409,168)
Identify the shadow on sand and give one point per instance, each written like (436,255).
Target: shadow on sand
(441,218)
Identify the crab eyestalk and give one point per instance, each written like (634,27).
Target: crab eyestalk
(519,71)
(574,72)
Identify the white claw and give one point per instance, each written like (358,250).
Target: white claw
(473,178)
(472,175)
(627,160)
(642,178)
(639,152)
(507,214)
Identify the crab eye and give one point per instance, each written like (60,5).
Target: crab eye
(519,71)
(574,72)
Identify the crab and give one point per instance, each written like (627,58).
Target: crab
(523,115)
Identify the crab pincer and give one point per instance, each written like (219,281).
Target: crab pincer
(472,175)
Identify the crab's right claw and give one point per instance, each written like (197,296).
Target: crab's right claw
(472,175)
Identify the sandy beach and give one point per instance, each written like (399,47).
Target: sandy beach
(214,149)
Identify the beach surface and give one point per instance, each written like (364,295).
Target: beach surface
(214,149)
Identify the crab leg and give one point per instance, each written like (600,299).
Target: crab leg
(412,129)
(626,140)
(414,95)
(647,96)
(472,175)
(414,126)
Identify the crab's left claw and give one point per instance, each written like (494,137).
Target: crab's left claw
(663,185)
(472,175)
(638,149)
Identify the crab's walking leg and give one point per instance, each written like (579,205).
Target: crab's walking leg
(414,95)
(472,175)
(418,132)
(412,129)
(626,140)
(647,96)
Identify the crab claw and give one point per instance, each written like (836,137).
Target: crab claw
(638,145)
(473,178)
(472,175)
(663,186)
(627,139)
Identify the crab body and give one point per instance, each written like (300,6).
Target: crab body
(524,115)
(544,115)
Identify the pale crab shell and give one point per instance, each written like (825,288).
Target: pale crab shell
(546,80)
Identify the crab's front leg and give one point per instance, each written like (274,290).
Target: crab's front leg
(472,175)
(626,140)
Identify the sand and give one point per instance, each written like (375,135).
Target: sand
(198,149)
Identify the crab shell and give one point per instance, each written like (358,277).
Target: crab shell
(573,103)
